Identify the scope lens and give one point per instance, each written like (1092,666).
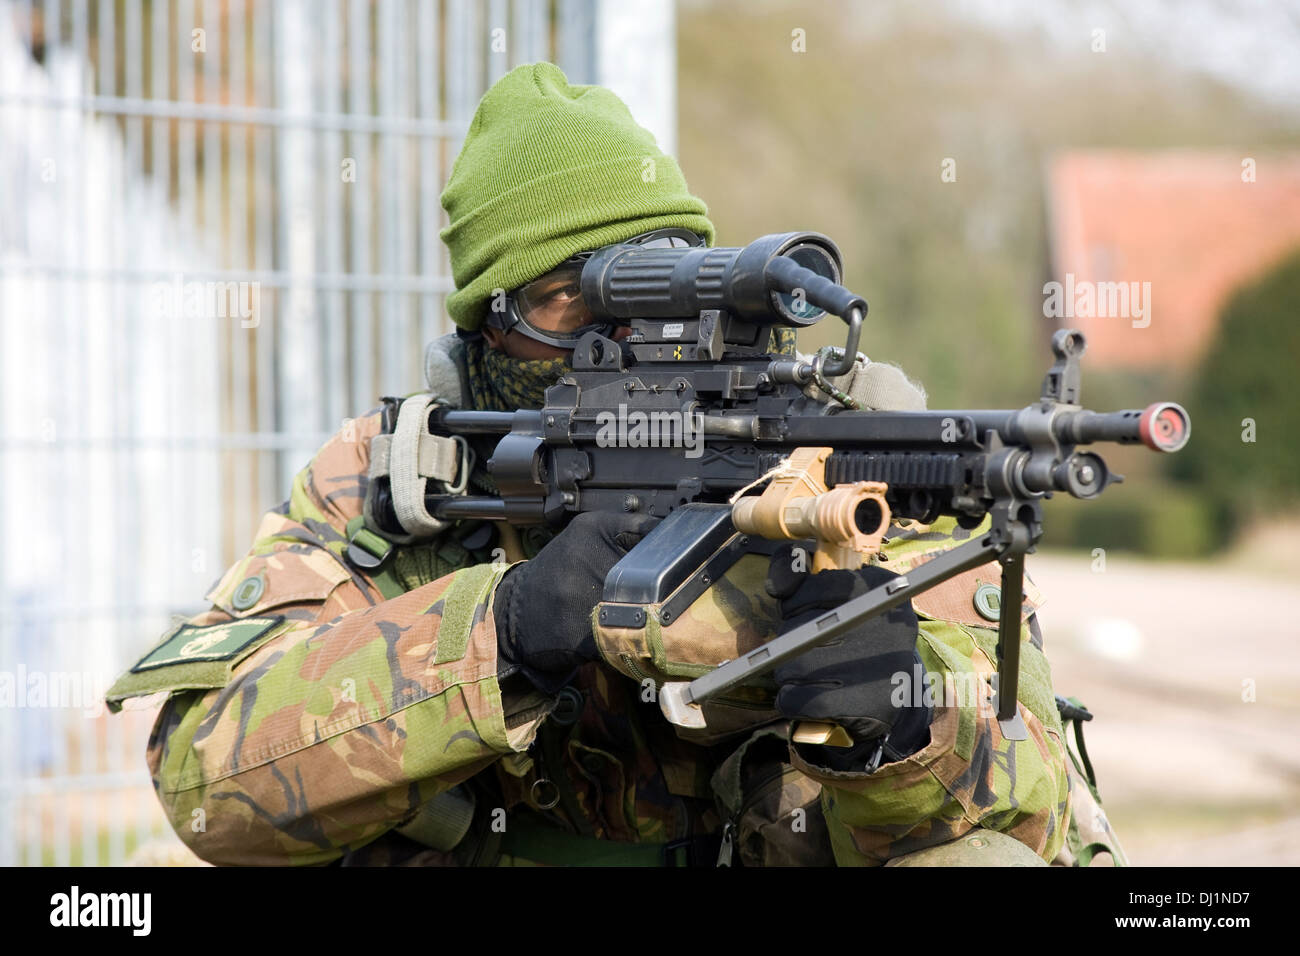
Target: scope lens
(818,260)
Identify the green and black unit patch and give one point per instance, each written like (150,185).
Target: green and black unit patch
(192,657)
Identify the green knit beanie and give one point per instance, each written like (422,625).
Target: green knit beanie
(549,170)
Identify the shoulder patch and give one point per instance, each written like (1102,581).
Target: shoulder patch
(215,642)
(193,657)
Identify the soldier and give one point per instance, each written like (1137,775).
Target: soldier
(361,695)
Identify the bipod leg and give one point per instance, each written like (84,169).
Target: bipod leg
(680,701)
(1013,595)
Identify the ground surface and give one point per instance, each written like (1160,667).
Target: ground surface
(1191,768)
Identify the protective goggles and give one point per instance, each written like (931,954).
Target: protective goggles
(550,309)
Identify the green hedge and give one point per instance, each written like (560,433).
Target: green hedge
(1165,522)
(1250,378)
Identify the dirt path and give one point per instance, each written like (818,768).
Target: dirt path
(1193,672)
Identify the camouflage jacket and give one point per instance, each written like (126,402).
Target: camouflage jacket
(352,699)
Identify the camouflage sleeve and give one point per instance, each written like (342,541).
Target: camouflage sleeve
(354,711)
(969,775)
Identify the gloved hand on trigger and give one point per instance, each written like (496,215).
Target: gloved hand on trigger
(849,680)
(543,606)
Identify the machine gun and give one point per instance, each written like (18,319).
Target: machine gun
(749,458)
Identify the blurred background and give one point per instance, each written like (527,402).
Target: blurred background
(218,241)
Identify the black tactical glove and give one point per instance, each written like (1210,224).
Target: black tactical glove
(850,679)
(543,606)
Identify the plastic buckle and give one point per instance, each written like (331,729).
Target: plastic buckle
(366,550)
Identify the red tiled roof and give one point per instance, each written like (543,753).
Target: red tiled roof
(1184,221)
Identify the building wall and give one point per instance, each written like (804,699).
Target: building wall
(1194,225)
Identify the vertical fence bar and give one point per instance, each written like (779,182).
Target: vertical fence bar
(263,339)
(81,45)
(576,41)
(109,244)
(529,29)
(215,246)
(106,44)
(60,816)
(237,412)
(107,247)
(430,175)
(160,66)
(298,350)
(133,58)
(195,251)
(390,329)
(15,819)
(498,40)
(128,210)
(405,376)
(465,66)
(75,520)
(218,41)
(329,77)
(359,88)
(10,824)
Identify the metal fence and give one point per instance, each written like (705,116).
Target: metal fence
(218,240)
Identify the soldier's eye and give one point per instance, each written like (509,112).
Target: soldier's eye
(564,293)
